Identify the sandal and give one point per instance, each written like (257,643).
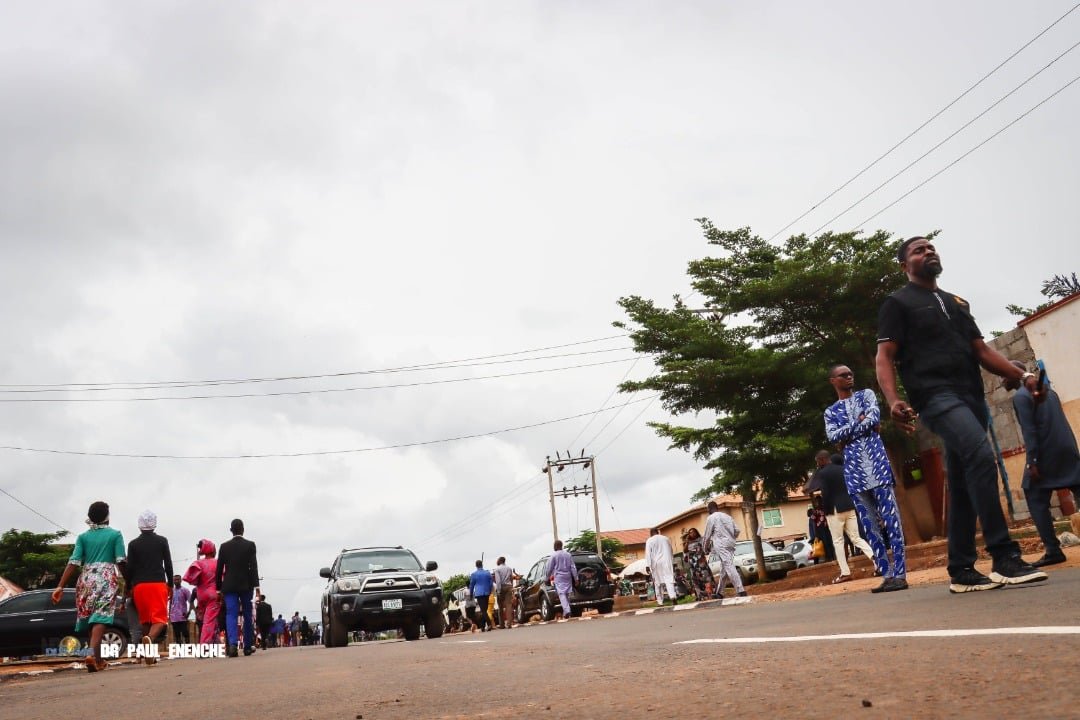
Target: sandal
(91,663)
(841,579)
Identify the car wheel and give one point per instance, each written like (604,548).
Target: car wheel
(547,612)
(434,625)
(326,631)
(519,611)
(606,607)
(115,636)
(411,630)
(339,633)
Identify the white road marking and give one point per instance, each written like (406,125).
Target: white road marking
(1039,630)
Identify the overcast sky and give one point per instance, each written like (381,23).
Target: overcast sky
(196,190)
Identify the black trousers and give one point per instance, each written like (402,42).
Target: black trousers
(1038,500)
(482,602)
(180,632)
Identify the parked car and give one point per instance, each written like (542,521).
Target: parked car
(380,588)
(777,562)
(31,625)
(803,552)
(595,588)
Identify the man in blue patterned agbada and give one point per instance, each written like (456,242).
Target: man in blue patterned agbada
(853,422)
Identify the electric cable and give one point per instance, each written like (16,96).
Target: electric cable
(988,139)
(322,391)
(933,117)
(525,484)
(947,139)
(311,453)
(36,512)
(238,381)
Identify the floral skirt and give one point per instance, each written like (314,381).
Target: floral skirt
(97,595)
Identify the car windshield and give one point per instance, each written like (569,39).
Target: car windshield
(387,560)
(593,559)
(745,548)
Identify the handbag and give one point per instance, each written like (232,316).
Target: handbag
(819,548)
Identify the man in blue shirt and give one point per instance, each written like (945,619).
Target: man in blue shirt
(853,422)
(480,585)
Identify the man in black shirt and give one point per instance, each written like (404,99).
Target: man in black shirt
(930,336)
(839,511)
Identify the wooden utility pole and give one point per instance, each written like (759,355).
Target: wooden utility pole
(559,464)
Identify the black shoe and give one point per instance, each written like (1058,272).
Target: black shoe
(741,593)
(1050,559)
(249,651)
(231,651)
(1014,571)
(971,580)
(892,585)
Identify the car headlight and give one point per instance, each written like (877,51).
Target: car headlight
(745,561)
(348,584)
(427,580)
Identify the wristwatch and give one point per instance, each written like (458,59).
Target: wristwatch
(1025,376)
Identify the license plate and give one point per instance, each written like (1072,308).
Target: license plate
(394,604)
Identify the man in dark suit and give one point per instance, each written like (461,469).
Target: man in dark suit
(236,579)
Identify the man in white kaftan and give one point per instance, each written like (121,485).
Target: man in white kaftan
(720,534)
(661,563)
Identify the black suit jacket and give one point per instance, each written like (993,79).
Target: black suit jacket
(834,494)
(237,568)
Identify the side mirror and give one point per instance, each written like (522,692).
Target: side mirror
(324,572)
(432,566)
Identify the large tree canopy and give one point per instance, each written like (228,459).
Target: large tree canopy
(755,360)
(32,560)
(586,542)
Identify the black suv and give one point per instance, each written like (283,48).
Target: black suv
(31,625)
(595,588)
(380,588)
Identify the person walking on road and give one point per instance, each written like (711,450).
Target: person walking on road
(1053,461)
(720,535)
(854,422)
(480,586)
(98,557)
(931,338)
(236,578)
(561,571)
(264,620)
(149,568)
(839,511)
(701,577)
(504,591)
(179,610)
(660,560)
(201,576)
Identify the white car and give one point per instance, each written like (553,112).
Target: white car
(802,551)
(777,562)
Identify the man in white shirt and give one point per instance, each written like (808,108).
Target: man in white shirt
(661,563)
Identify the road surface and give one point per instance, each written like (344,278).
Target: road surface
(744,661)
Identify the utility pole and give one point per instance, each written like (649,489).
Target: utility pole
(559,464)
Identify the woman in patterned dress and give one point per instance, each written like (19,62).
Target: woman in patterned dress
(98,596)
(701,576)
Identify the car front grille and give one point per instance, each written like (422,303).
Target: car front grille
(393,583)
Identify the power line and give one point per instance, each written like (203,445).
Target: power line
(604,404)
(36,512)
(238,381)
(933,117)
(947,139)
(481,511)
(651,400)
(313,453)
(323,391)
(957,160)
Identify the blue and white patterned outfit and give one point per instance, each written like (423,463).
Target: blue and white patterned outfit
(852,423)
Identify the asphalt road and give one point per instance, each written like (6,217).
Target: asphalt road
(641,666)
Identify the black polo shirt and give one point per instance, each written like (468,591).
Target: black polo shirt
(934,330)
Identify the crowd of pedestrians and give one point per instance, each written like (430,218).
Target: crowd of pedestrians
(138,579)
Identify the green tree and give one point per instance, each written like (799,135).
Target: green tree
(454,583)
(775,318)
(586,542)
(32,560)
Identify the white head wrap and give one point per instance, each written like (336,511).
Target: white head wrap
(147,520)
